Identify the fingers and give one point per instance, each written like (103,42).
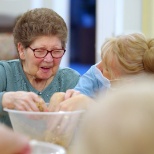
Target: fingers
(22,106)
(66,105)
(21,100)
(78,102)
(41,105)
(27,102)
(70,93)
(33,103)
(45,108)
(55,100)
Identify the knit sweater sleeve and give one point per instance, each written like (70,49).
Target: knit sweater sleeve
(2,78)
(2,85)
(5,80)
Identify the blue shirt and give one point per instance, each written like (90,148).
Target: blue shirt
(92,82)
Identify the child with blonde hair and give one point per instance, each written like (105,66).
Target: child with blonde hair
(122,56)
(125,59)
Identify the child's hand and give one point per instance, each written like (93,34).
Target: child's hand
(70,93)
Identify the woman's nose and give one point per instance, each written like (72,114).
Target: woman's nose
(48,57)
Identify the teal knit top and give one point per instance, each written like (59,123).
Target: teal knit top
(12,78)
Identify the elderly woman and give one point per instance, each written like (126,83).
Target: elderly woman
(40,36)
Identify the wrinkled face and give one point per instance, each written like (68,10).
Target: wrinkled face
(40,68)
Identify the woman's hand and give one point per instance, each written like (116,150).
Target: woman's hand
(55,100)
(24,101)
(13,143)
(59,97)
(77,102)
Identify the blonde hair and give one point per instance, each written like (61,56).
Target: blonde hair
(132,53)
(148,59)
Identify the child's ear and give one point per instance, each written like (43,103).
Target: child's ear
(21,50)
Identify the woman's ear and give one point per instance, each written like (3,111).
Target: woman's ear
(21,50)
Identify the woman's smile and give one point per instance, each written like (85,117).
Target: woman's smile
(45,69)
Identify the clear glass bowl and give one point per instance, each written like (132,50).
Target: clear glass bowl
(55,127)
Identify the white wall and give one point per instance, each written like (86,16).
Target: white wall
(62,8)
(115,17)
(132,16)
(105,22)
(14,7)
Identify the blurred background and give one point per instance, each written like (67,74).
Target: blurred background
(90,22)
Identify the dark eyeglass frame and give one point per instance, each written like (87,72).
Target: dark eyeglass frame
(47,52)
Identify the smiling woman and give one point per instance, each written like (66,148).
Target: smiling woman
(40,37)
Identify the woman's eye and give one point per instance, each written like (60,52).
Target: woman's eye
(57,51)
(40,50)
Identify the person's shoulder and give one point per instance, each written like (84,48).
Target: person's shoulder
(68,71)
(91,71)
(5,62)
(9,63)
(68,77)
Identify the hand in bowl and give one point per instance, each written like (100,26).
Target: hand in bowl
(58,102)
(21,100)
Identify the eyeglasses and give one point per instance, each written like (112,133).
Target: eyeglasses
(41,53)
